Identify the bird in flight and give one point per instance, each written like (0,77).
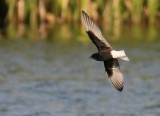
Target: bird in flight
(105,52)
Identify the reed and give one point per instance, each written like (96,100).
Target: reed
(11,10)
(69,10)
(136,10)
(111,12)
(153,6)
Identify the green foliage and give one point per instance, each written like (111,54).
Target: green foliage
(11,7)
(71,8)
(136,11)
(153,6)
(112,13)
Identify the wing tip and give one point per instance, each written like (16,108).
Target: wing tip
(83,18)
(118,85)
(83,13)
(117,80)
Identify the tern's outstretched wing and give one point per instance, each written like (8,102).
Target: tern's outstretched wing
(113,71)
(94,33)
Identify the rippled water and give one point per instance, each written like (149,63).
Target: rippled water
(49,79)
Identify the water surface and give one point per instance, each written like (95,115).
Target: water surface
(46,78)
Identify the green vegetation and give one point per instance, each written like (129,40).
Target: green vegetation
(43,15)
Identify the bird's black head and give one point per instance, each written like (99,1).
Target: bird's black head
(94,56)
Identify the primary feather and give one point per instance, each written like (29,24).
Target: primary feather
(114,74)
(91,27)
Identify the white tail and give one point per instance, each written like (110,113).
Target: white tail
(119,54)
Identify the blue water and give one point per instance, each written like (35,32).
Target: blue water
(49,79)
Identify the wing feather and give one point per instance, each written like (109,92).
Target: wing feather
(91,28)
(114,74)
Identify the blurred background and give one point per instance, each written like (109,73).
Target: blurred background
(44,64)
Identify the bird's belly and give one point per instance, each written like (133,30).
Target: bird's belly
(104,56)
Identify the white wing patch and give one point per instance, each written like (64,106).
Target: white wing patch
(119,54)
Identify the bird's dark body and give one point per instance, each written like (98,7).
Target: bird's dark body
(102,56)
